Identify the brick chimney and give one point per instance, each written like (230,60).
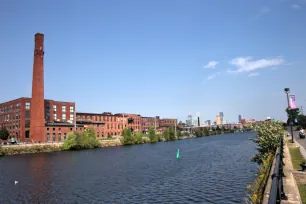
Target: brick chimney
(37,126)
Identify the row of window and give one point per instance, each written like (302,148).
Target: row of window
(8,109)
(59,137)
(63,116)
(63,109)
(102,118)
(8,117)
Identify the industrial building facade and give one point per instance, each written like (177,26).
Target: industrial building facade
(37,119)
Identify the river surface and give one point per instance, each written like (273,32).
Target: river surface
(213,169)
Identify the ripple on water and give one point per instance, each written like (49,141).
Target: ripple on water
(211,170)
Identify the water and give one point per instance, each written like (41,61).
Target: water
(213,169)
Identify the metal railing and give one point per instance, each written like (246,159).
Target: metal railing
(277,189)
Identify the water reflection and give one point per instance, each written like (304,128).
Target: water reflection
(211,170)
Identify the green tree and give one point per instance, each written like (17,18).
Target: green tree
(206,131)
(138,138)
(127,136)
(84,140)
(4,134)
(302,120)
(292,115)
(166,134)
(269,133)
(152,135)
(172,134)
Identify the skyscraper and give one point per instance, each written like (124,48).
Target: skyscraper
(218,119)
(221,117)
(189,121)
(239,118)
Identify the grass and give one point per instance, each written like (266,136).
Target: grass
(296,157)
(302,189)
(106,138)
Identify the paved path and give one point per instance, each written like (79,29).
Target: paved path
(301,142)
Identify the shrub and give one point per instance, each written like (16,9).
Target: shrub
(4,134)
(84,140)
(256,190)
(152,135)
(127,136)
(166,134)
(138,138)
(268,137)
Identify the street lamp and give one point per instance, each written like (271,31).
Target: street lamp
(287,90)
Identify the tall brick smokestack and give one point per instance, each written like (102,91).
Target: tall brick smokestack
(37,126)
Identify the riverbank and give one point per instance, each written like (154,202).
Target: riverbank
(8,150)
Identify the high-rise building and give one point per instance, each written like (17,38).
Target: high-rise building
(221,117)
(218,119)
(189,121)
(239,118)
(208,122)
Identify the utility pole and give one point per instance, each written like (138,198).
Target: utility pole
(75,119)
(289,114)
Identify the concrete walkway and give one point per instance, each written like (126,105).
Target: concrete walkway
(290,185)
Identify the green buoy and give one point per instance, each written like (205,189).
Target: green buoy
(178,154)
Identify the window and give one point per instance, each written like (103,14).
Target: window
(70,129)
(59,128)
(47,128)
(54,116)
(98,134)
(59,137)
(53,137)
(71,109)
(48,137)
(65,136)
(71,116)
(54,108)
(64,109)
(27,134)
(53,129)
(27,105)
(64,116)
(27,113)
(27,123)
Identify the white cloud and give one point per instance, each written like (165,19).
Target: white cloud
(213,75)
(297,7)
(263,11)
(246,64)
(211,64)
(253,74)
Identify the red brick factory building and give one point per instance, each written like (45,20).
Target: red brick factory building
(38,119)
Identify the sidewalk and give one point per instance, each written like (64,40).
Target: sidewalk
(290,184)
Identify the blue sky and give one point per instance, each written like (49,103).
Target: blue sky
(168,58)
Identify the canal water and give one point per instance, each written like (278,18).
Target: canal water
(213,169)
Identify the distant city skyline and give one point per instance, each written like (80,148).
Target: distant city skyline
(164,58)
